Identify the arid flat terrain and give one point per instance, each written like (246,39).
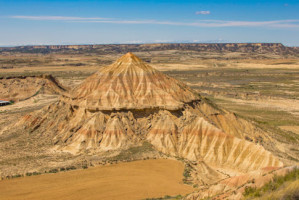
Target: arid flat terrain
(133,180)
(249,94)
(259,88)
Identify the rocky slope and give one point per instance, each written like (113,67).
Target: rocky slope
(127,84)
(129,102)
(24,87)
(232,188)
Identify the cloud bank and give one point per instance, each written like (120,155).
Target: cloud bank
(55,18)
(293,23)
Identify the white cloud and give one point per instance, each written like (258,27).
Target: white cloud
(199,23)
(203,12)
(59,18)
(207,23)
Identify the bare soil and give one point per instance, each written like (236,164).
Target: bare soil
(134,180)
(260,87)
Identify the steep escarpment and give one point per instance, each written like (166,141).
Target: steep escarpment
(272,48)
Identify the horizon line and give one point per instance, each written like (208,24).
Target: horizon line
(139,43)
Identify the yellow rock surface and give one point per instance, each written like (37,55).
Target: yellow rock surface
(128,102)
(130,83)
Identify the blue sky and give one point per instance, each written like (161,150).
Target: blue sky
(33,22)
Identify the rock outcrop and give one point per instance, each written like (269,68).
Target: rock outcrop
(20,88)
(129,101)
(130,83)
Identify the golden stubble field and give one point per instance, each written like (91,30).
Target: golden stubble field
(133,180)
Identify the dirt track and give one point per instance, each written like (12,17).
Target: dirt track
(134,180)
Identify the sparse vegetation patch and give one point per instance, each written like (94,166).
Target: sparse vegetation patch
(278,183)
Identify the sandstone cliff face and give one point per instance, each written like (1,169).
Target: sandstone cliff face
(129,102)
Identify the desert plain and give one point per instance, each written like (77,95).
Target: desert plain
(261,87)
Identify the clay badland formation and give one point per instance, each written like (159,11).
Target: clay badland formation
(22,88)
(128,103)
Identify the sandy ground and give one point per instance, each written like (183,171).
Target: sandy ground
(263,66)
(51,69)
(177,67)
(161,67)
(288,105)
(294,129)
(37,101)
(134,180)
(243,65)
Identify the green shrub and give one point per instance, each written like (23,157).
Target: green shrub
(28,174)
(70,168)
(16,176)
(53,170)
(187,173)
(85,167)
(167,197)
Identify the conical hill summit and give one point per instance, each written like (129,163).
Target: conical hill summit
(130,83)
(130,102)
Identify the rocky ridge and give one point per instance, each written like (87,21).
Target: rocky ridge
(273,48)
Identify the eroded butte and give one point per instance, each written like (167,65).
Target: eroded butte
(129,102)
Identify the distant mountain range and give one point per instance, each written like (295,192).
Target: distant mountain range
(273,48)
